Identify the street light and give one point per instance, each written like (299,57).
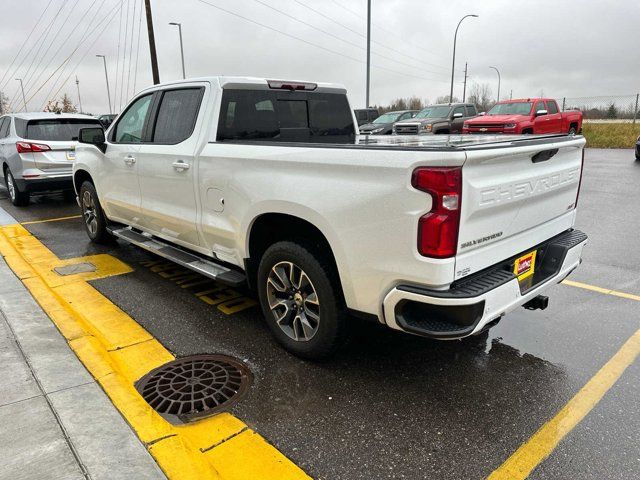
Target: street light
(104,59)
(23,97)
(498,72)
(453,65)
(179,25)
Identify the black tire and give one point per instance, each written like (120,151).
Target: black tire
(572,130)
(17,197)
(95,223)
(330,329)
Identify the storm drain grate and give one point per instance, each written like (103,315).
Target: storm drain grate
(75,268)
(193,387)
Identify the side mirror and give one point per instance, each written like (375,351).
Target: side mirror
(539,113)
(482,114)
(457,115)
(93,136)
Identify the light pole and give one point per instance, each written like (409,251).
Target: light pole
(453,64)
(23,97)
(104,59)
(498,72)
(179,25)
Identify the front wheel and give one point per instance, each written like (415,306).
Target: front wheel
(572,131)
(95,222)
(302,300)
(17,197)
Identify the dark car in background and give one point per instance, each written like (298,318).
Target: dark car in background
(107,119)
(383,125)
(366,115)
(638,149)
(439,119)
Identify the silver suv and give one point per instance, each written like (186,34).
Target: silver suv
(37,151)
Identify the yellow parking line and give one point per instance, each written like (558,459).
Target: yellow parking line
(118,352)
(615,293)
(519,465)
(32,222)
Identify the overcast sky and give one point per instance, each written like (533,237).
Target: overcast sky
(562,48)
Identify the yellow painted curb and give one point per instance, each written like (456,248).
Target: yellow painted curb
(118,351)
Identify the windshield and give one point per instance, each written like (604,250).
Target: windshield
(63,129)
(515,108)
(434,112)
(387,118)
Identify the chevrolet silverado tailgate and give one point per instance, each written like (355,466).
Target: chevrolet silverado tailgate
(515,196)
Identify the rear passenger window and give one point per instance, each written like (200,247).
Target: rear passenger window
(177,115)
(471,111)
(552,107)
(266,115)
(4,127)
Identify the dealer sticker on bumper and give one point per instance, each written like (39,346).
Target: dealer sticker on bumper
(525,265)
(71,155)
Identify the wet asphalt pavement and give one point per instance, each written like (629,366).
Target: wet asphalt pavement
(392,405)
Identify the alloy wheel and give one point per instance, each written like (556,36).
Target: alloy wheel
(293,301)
(11,187)
(89,212)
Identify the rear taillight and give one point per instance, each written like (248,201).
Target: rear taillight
(438,229)
(580,181)
(27,147)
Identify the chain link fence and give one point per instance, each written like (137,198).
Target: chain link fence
(605,109)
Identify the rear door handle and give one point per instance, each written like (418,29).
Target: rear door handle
(180,165)
(129,159)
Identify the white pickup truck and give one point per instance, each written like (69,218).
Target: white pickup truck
(263,182)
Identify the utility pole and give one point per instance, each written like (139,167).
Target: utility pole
(511,94)
(2,112)
(23,97)
(79,99)
(179,25)
(152,43)
(368,51)
(464,89)
(106,76)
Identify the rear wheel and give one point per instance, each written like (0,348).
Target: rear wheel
(302,300)
(95,222)
(18,197)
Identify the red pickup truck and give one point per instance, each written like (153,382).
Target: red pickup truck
(530,115)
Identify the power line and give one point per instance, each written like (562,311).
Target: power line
(107,21)
(341,39)
(124,53)
(308,42)
(65,39)
(25,41)
(79,43)
(40,42)
(85,36)
(115,89)
(133,21)
(360,17)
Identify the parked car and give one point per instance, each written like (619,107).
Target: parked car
(107,119)
(439,119)
(383,125)
(366,115)
(228,176)
(531,115)
(638,149)
(37,151)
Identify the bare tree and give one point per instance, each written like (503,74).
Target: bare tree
(410,103)
(480,95)
(64,105)
(4,104)
(445,99)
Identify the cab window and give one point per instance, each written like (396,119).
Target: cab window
(471,111)
(458,110)
(540,106)
(177,115)
(552,106)
(130,126)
